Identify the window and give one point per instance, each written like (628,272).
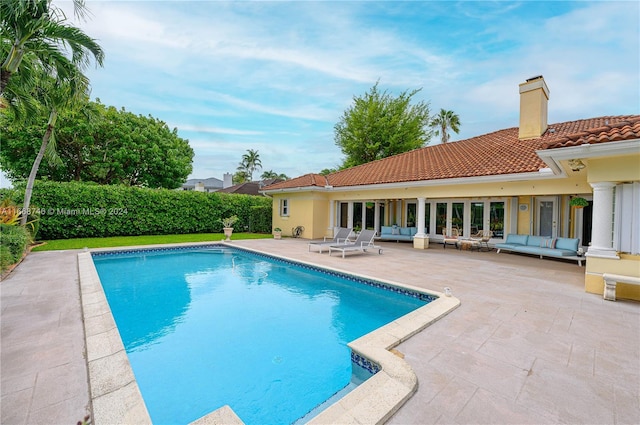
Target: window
(457,216)
(357,215)
(496,217)
(411,214)
(284,207)
(477,217)
(427,217)
(441,217)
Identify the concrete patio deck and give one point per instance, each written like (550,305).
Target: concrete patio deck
(527,345)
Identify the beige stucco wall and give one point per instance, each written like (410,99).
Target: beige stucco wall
(307,209)
(524,217)
(627,265)
(614,169)
(571,185)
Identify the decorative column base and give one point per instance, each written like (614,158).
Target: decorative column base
(421,242)
(602,253)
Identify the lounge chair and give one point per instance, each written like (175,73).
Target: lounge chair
(363,242)
(483,237)
(451,239)
(341,236)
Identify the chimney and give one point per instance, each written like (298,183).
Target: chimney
(227,180)
(534,96)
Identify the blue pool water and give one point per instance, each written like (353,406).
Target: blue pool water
(205,327)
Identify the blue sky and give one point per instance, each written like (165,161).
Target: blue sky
(277,76)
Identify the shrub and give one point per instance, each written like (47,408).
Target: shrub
(13,243)
(77,210)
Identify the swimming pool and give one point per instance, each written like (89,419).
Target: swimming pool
(215,287)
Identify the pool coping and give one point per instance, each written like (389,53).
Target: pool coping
(116,397)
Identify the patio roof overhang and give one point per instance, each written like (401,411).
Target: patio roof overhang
(552,157)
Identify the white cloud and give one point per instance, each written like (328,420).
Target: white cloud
(276,76)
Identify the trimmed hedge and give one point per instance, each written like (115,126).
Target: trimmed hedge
(13,243)
(82,210)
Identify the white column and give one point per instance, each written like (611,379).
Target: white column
(350,214)
(602,221)
(376,217)
(332,215)
(421,212)
(421,240)
(364,215)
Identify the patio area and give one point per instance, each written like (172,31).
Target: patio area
(527,345)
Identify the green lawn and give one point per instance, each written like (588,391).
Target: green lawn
(141,240)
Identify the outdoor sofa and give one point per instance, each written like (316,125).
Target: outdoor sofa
(542,246)
(397,233)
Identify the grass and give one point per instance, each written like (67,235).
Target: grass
(81,243)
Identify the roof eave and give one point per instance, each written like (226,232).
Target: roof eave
(552,157)
(297,189)
(537,175)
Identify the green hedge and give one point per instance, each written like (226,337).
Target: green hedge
(81,210)
(13,243)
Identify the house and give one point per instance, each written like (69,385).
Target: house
(211,184)
(516,180)
(249,188)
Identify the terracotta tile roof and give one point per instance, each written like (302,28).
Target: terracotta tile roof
(303,181)
(612,130)
(496,153)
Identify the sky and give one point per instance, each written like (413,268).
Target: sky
(277,76)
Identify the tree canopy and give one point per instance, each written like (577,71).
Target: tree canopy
(270,174)
(250,163)
(379,125)
(443,121)
(100,144)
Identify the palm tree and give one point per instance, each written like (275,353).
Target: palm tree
(53,95)
(443,121)
(266,175)
(37,29)
(250,163)
(33,40)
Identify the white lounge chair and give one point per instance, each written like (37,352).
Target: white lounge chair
(362,243)
(341,236)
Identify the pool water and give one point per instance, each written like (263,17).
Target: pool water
(204,328)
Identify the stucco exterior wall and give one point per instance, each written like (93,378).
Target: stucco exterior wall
(524,217)
(307,209)
(567,186)
(627,265)
(614,169)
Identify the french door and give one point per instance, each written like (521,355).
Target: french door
(547,216)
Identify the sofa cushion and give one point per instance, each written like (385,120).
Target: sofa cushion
(537,241)
(513,239)
(569,244)
(385,230)
(408,231)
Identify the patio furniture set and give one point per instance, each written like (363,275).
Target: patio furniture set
(565,248)
(475,242)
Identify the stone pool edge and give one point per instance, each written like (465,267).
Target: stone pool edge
(116,398)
